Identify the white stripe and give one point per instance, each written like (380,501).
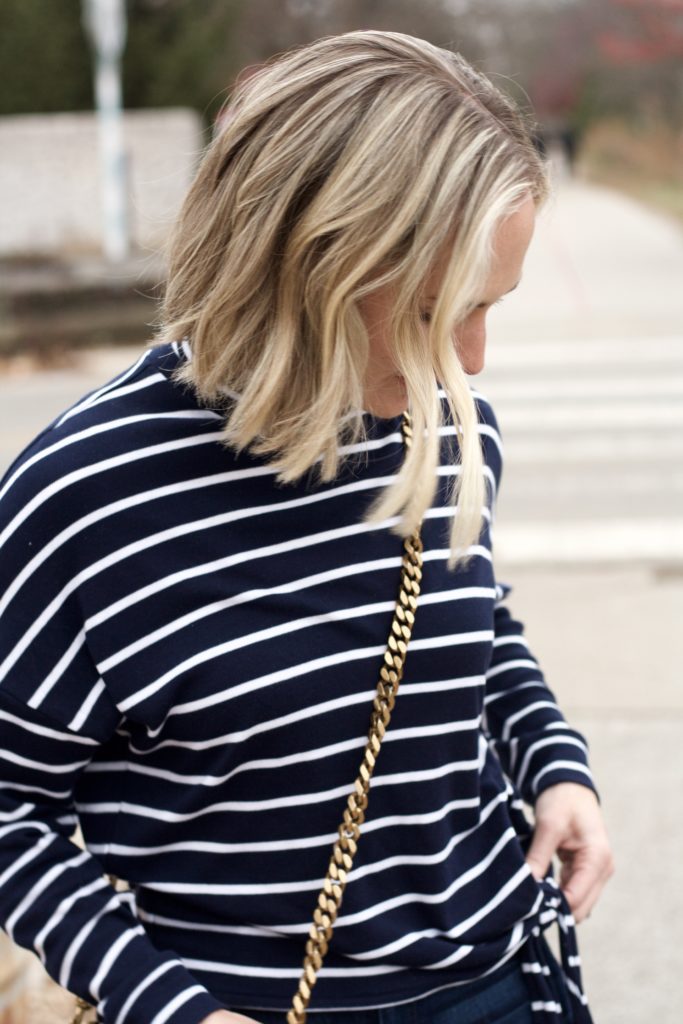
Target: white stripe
(62,910)
(114,462)
(28,855)
(517,937)
(275,845)
(215,929)
(314,884)
(119,392)
(268,550)
(175,1004)
(491,698)
(488,431)
(18,787)
(315,754)
(144,984)
(295,800)
(513,719)
(505,666)
(245,597)
(251,971)
(165,535)
(576,990)
(110,958)
(88,704)
(40,886)
(544,743)
(110,385)
(280,675)
(17,826)
(368,912)
(57,671)
(534,967)
(502,893)
(96,568)
(370,445)
(18,812)
(79,939)
(348,700)
(389,821)
(554,765)
(548,1007)
(104,465)
(42,766)
(502,641)
(104,428)
(464,878)
(385,906)
(42,730)
(286,628)
(291,586)
(460,953)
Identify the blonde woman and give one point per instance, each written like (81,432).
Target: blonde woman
(200,565)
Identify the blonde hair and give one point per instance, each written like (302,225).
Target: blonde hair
(344,165)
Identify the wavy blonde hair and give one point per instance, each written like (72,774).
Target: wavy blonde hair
(342,166)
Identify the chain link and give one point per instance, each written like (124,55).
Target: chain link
(343,852)
(82,1008)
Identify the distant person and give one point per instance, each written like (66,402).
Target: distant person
(210,561)
(569,140)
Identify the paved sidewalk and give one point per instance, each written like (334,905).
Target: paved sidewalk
(590,350)
(597,330)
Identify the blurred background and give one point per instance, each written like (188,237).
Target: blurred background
(105,108)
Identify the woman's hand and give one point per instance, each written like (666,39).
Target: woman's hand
(226,1017)
(569,823)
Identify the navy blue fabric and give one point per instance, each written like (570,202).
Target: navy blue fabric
(500,998)
(188,656)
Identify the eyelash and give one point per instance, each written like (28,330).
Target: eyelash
(426,317)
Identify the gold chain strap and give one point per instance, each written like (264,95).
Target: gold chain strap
(343,852)
(82,1007)
(341,861)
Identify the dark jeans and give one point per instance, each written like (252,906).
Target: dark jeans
(501,998)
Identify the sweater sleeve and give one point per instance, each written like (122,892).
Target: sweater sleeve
(55,714)
(523,722)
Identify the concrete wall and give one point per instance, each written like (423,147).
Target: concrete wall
(50,179)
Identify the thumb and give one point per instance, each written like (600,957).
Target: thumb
(542,849)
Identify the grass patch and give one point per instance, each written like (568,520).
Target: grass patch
(644,161)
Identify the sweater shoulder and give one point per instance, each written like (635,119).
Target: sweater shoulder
(137,409)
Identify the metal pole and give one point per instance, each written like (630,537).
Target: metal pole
(105,21)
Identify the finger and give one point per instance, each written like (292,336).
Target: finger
(583,909)
(580,882)
(584,871)
(543,846)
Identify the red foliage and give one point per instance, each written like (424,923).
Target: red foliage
(655,33)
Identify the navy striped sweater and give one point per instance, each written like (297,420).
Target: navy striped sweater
(188,658)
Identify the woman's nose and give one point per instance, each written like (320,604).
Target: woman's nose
(471,344)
